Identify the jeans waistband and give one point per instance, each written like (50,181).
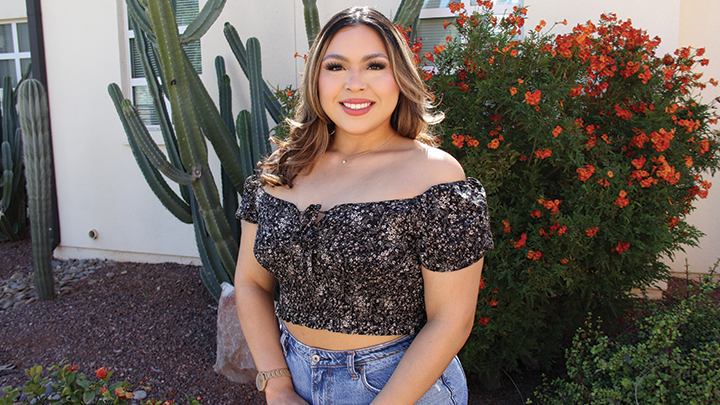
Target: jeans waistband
(323,357)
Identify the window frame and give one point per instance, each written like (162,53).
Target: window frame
(17,56)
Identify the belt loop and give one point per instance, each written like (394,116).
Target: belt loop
(283,339)
(351,365)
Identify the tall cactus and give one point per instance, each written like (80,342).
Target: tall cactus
(35,123)
(13,217)
(239,144)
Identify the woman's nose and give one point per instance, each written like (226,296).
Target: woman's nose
(355,81)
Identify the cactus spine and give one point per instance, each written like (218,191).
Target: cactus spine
(35,124)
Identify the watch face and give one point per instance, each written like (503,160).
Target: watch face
(260,381)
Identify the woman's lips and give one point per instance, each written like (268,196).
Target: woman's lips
(356,107)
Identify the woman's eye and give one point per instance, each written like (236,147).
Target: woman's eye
(333,66)
(377,66)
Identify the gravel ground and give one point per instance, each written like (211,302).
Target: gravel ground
(153,324)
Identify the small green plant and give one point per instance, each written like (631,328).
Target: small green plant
(672,357)
(64,385)
(593,149)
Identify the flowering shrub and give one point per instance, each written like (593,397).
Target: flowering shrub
(592,149)
(64,385)
(673,358)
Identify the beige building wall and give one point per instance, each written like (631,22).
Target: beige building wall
(13,10)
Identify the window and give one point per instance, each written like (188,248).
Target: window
(187,10)
(435,12)
(14,50)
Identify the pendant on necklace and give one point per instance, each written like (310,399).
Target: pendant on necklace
(343,162)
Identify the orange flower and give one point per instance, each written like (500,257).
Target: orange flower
(621,247)
(513,91)
(540,26)
(536,214)
(506,226)
(458,140)
(621,201)
(553,206)
(493,302)
(429,57)
(591,142)
(483,320)
(103,389)
(639,162)
(533,98)
(472,141)
(535,255)
(590,232)
(494,144)
(713,82)
(661,139)
(586,172)
(446,24)
(624,114)
(101,373)
(438,49)
(542,154)
(557,131)
(672,222)
(521,242)
(704,146)
(688,161)
(463,86)
(564,261)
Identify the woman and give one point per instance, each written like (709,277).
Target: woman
(375,236)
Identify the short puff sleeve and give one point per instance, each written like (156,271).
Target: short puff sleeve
(454,226)
(248,206)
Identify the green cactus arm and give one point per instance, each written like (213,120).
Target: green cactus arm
(138,14)
(244,135)
(214,128)
(229,192)
(312,20)
(271,103)
(258,119)
(203,21)
(142,136)
(180,78)
(34,120)
(7,176)
(408,12)
(212,272)
(8,110)
(179,208)
(157,99)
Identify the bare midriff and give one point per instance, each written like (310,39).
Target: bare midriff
(324,339)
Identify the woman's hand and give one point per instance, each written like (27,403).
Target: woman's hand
(283,396)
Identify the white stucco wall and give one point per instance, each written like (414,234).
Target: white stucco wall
(13,10)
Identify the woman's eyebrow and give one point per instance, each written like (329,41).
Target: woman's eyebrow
(364,59)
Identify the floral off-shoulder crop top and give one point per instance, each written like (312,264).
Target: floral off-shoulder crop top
(356,268)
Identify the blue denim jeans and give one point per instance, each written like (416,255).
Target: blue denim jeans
(355,377)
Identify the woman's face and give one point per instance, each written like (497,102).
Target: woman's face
(357,87)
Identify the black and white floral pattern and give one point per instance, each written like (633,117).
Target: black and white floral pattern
(356,268)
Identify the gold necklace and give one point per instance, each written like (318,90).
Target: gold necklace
(367,151)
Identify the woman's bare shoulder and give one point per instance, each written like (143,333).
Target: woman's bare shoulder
(436,165)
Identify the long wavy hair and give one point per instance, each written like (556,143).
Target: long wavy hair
(311,129)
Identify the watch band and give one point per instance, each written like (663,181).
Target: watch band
(264,376)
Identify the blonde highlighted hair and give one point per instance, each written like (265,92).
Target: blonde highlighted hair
(311,129)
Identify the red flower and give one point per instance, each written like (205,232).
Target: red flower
(621,247)
(513,91)
(557,131)
(493,302)
(639,162)
(564,261)
(586,172)
(621,201)
(458,140)
(482,284)
(534,255)
(483,320)
(535,214)
(446,24)
(553,206)
(506,226)
(521,242)
(101,373)
(103,389)
(429,57)
(533,98)
(590,232)
(672,221)
(463,86)
(542,154)
(438,49)
(74,367)
(661,139)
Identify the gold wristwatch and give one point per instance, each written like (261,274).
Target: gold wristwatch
(264,376)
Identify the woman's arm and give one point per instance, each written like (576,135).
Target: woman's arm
(254,296)
(450,301)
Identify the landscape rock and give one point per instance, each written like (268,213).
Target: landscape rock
(234,360)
